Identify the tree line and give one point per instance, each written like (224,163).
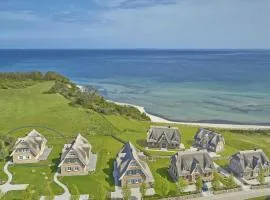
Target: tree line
(35,75)
(16,80)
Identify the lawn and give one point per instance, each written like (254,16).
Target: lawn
(3,176)
(164,184)
(51,114)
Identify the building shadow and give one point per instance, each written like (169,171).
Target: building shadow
(163,172)
(54,165)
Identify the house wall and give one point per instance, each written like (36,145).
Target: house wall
(127,177)
(190,178)
(159,144)
(81,169)
(16,157)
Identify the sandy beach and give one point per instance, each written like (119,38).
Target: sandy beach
(156,119)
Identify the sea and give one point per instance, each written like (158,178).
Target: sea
(214,86)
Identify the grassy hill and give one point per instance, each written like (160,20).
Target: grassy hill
(32,107)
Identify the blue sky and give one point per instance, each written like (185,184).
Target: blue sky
(135,24)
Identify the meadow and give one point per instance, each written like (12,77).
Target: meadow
(51,114)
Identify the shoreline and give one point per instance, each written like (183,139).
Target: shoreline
(157,119)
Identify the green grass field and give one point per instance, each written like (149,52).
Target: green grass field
(31,106)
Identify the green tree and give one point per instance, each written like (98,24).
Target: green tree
(126,192)
(181,186)
(199,183)
(261,177)
(143,189)
(230,182)
(216,181)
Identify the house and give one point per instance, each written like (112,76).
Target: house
(209,140)
(76,157)
(163,137)
(189,165)
(130,169)
(29,149)
(247,164)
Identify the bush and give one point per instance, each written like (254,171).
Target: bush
(91,99)
(16,80)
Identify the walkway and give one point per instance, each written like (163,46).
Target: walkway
(8,186)
(66,194)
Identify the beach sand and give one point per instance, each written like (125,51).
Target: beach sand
(156,119)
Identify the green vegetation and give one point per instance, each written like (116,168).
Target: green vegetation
(90,99)
(261,177)
(181,186)
(59,119)
(24,79)
(260,198)
(143,189)
(199,184)
(221,182)
(126,192)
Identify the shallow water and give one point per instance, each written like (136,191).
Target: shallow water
(212,86)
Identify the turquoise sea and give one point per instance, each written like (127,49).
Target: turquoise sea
(220,86)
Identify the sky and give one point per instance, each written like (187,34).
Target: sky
(168,24)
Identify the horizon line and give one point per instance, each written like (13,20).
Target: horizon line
(172,49)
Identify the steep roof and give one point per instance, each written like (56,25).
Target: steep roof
(212,137)
(125,157)
(189,161)
(172,134)
(79,148)
(251,158)
(33,141)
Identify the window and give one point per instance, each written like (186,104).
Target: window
(20,157)
(69,169)
(25,150)
(76,168)
(134,181)
(133,163)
